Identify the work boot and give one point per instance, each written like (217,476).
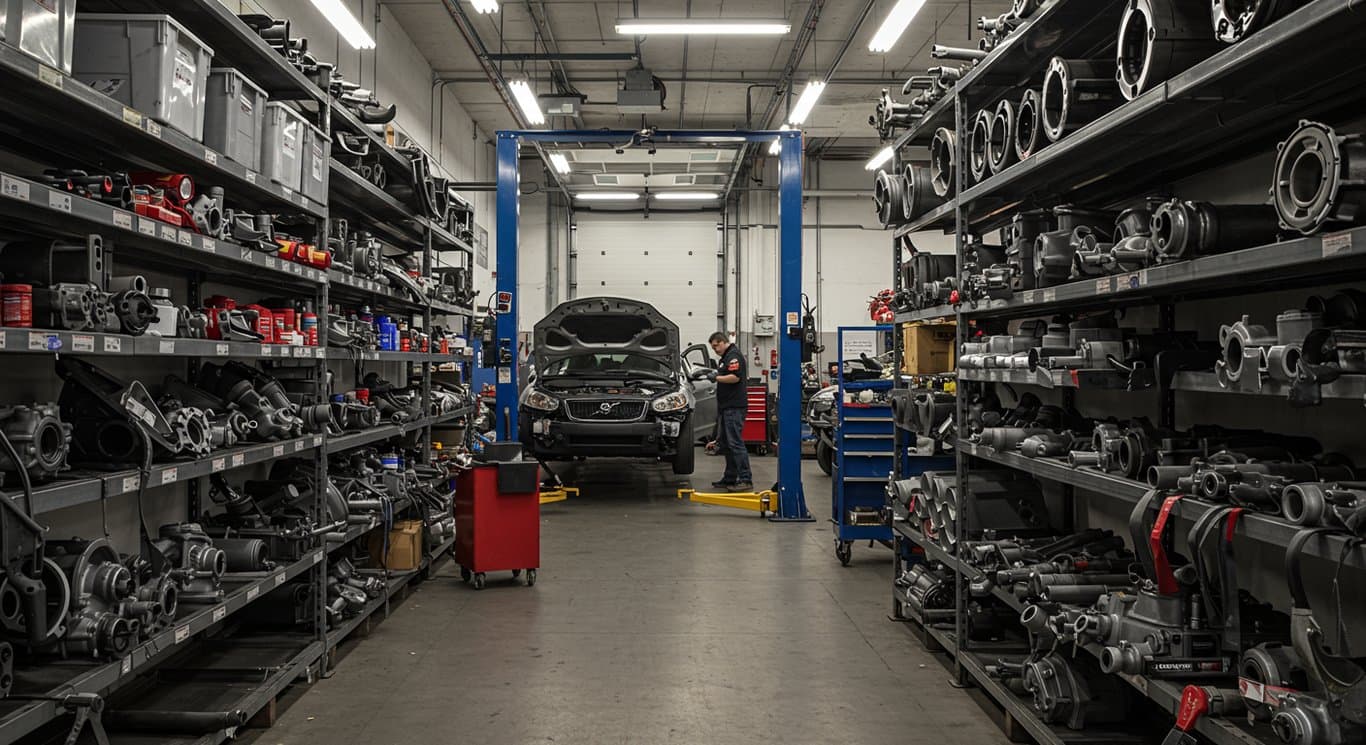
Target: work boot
(722,484)
(743,486)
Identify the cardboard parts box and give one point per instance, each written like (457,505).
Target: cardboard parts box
(928,348)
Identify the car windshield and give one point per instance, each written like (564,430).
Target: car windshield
(609,365)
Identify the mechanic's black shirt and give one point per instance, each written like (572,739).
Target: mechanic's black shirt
(731,395)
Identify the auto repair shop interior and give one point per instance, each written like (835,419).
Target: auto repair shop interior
(583,371)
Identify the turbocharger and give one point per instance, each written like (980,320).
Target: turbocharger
(103,617)
(41,438)
(195,563)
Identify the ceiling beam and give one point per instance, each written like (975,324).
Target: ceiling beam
(562,56)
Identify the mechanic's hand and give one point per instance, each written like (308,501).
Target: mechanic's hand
(711,376)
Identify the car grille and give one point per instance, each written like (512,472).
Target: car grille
(615,411)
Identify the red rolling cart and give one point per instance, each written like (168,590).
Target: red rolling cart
(755,430)
(498,521)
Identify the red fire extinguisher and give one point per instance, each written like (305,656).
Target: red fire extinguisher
(773,358)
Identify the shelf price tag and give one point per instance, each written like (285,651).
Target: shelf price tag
(210,157)
(253,592)
(1030,297)
(220,613)
(42,342)
(221,350)
(132,118)
(182,633)
(1050,295)
(218,464)
(1103,286)
(50,76)
(239,459)
(152,127)
(166,347)
(14,188)
(299,446)
(251,177)
(1131,281)
(113,345)
(59,201)
(317,557)
(211,245)
(278,451)
(123,220)
(82,343)
(126,666)
(169,475)
(1337,243)
(131,483)
(147,227)
(168,233)
(279,579)
(265,350)
(186,238)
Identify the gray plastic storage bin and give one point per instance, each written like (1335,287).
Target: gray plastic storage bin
(148,62)
(40,29)
(282,145)
(234,113)
(316,150)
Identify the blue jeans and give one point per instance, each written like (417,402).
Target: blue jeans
(731,443)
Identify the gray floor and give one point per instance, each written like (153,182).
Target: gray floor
(653,621)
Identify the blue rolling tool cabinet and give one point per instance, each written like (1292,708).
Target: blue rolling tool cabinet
(864,440)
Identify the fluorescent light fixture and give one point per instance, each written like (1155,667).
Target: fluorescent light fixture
(607,196)
(894,25)
(346,24)
(703,26)
(777,146)
(687,196)
(875,162)
(526,100)
(485,6)
(806,101)
(560,162)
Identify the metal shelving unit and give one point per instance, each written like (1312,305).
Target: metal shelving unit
(1236,103)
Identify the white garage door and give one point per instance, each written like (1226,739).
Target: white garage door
(669,262)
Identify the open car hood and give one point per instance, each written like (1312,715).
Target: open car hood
(605,325)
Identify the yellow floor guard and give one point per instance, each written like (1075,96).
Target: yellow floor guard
(558,495)
(760,502)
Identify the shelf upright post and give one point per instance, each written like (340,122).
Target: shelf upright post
(319,575)
(960,400)
(425,439)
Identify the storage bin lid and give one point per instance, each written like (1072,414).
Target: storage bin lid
(233,71)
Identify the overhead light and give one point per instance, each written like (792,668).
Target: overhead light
(894,25)
(346,24)
(777,146)
(703,26)
(806,101)
(607,196)
(687,196)
(875,162)
(560,162)
(485,6)
(526,100)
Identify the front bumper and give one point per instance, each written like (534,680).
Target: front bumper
(550,438)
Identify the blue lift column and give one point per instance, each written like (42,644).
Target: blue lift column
(505,338)
(791,497)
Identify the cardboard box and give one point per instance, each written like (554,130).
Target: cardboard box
(928,348)
(405,546)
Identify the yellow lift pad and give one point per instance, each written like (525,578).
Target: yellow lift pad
(761,502)
(558,495)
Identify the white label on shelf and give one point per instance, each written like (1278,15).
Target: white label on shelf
(221,350)
(271,262)
(186,238)
(239,459)
(278,451)
(1103,286)
(132,118)
(168,233)
(169,475)
(289,193)
(220,613)
(211,245)
(1337,243)
(251,177)
(210,157)
(265,350)
(182,633)
(279,579)
(319,353)
(14,188)
(113,344)
(1050,295)
(38,341)
(126,666)
(152,127)
(147,226)
(123,220)
(248,256)
(253,592)
(82,343)
(1131,281)
(4,340)
(218,464)
(297,268)
(303,201)
(317,557)
(50,76)
(59,200)
(131,483)
(317,441)
(1030,296)
(166,347)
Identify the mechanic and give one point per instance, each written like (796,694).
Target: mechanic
(731,405)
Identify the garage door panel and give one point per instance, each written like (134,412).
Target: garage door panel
(670,264)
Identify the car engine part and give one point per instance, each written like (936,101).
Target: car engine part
(1028,124)
(1069,693)
(1184,229)
(979,137)
(1076,92)
(1001,137)
(1319,179)
(918,191)
(1235,19)
(891,116)
(109,418)
(1158,39)
(194,562)
(1054,250)
(889,200)
(41,438)
(255,394)
(102,618)
(943,151)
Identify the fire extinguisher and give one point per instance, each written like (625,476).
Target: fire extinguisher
(773,358)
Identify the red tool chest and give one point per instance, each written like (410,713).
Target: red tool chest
(498,521)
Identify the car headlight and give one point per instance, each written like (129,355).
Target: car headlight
(675,401)
(540,401)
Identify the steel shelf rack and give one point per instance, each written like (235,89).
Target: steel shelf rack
(1236,103)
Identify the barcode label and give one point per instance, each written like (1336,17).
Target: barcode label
(123,220)
(210,245)
(167,347)
(113,345)
(253,592)
(186,238)
(239,459)
(82,343)
(131,483)
(50,76)
(14,188)
(132,117)
(182,633)
(251,177)
(59,201)
(218,464)
(278,451)
(1337,243)
(211,157)
(1103,286)
(220,613)
(147,226)
(1050,295)
(221,350)
(152,128)
(168,233)
(169,475)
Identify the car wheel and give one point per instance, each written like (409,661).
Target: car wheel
(825,456)
(683,460)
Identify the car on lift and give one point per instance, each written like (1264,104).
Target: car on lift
(611,381)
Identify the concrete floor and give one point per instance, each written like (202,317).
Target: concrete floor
(652,621)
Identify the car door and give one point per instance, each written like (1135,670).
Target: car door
(704,416)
